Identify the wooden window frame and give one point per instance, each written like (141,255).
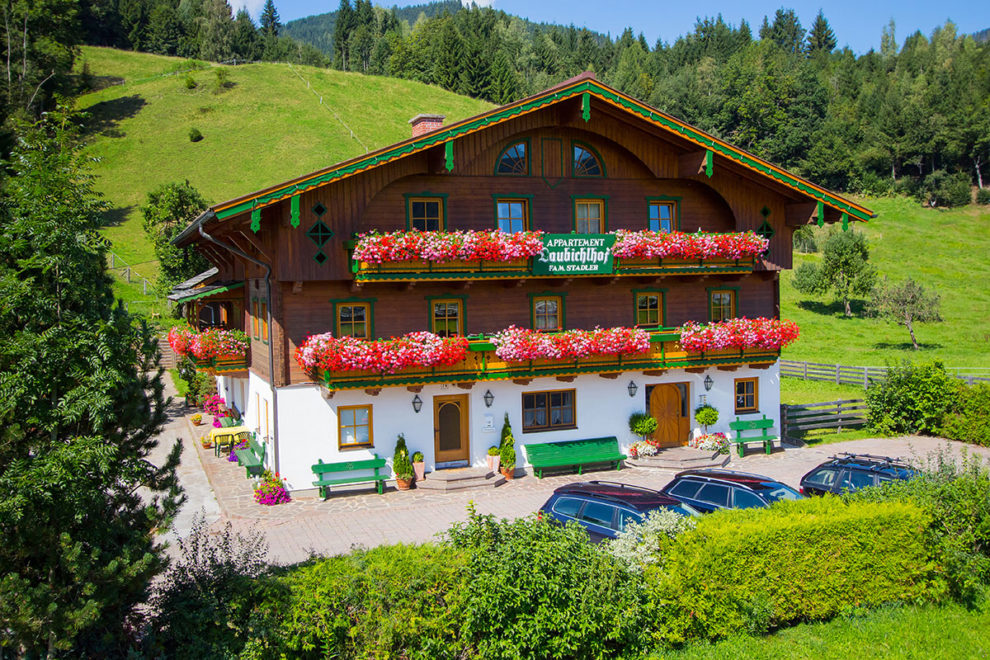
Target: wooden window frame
(263,303)
(550,426)
(662,308)
(527,202)
(594,152)
(601,200)
(255,321)
(353,302)
(426,196)
(561,309)
(341,446)
(461,321)
(756,396)
(665,200)
(733,290)
(529,159)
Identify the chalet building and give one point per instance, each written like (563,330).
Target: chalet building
(580,169)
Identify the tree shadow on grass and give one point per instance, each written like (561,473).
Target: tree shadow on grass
(906,346)
(835,308)
(105,117)
(116,216)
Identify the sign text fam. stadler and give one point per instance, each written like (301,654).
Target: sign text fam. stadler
(575,254)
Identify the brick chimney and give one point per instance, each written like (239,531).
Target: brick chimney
(423,124)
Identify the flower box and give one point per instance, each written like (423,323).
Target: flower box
(682,249)
(736,335)
(445,247)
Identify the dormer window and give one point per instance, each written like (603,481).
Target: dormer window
(586,162)
(513,160)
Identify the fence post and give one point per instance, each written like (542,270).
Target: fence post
(866,377)
(783,421)
(111,261)
(837,381)
(144,286)
(806,370)
(838,411)
(127,274)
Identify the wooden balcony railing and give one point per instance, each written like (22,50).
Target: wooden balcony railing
(224,365)
(482,364)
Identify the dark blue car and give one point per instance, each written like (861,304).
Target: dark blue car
(604,508)
(849,472)
(710,490)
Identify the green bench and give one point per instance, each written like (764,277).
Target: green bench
(252,457)
(573,453)
(743,426)
(324,474)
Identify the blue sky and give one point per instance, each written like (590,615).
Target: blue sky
(857,23)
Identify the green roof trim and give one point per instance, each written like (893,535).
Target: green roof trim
(590,87)
(211,292)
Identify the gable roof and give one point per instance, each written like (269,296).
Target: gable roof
(585,86)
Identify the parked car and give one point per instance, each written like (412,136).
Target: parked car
(604,508)
(850,472)
(708,490)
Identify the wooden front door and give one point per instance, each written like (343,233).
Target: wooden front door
(450,425)
(668,405)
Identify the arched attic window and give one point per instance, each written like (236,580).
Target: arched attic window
(513,160)
(586,162)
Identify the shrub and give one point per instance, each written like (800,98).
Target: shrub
(706,415)
(956,497)
(941,189)
(190,82)
(911,399)
(417,457)
(195,135)
(983,196)
(641,543)
(642,424)
(754,569)
(804,239)
(401,466)
(493,451)
(507,457)
(969,419)
(532,589)
(392,601)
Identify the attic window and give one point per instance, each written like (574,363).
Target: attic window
(586,163)
(513,160)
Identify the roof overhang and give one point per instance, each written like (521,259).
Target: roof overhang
(204,291)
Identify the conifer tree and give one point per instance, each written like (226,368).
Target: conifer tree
(270,25)
(342,34)
(821,38)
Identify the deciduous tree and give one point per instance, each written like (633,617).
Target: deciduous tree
(905,304)
(169,209)
(845,269)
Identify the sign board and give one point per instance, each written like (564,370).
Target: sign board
(575,254)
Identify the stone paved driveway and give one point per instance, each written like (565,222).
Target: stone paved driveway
(362,517)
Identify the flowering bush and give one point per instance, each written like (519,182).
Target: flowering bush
(210,344)
(271,490)
(711,442)
(179,338)
(641,544)
(232,457)
(441,246)
(768,334)
(416,349)
(648,244)
(644,448)
(516,344)
(214,403)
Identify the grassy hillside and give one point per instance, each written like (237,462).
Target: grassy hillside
(265,126)
(948,250)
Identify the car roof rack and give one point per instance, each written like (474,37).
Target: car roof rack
(718,471)
(599,482)
(846,456)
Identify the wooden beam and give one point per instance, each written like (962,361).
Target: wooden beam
(800,213)
(356,286)
(415,388)
(566,379)
(373,391)
(691,164)
(728,367)
(408,286)
(327,392)
(610,376)
(255,242)
(297,286)
(655,372)
(696,370)
(466,284)
(466,386)
(758,365)
(522,381)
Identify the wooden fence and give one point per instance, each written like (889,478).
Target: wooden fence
(846,375)
(845,413)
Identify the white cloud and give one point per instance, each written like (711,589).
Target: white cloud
(480,3)
(253,6)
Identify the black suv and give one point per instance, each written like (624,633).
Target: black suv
(849,472)
(604,508)
(708,490)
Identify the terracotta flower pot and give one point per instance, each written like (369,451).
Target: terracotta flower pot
(403,484)
(419,468)
(197,422)
(508,473)
(493,462)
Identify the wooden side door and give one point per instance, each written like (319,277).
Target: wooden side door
(667,407)
(450,426)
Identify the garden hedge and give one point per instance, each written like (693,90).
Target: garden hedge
(805,560)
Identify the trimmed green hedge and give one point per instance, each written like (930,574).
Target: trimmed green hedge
(806,560)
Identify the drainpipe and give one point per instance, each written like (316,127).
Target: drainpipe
(271,342)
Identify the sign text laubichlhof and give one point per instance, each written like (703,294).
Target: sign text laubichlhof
(575,254)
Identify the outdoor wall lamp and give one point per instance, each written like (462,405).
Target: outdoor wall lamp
(708,383)
(417,403)
(631,388)
(489,399)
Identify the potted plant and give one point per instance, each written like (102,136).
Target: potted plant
(507,451)
(206,441)
(706,415)
(419,467)
(642,424)
(197,419)
(493,458)
(401,466)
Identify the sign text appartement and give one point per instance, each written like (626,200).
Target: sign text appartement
(576,254)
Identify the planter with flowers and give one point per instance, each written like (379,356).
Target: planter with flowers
(196,419)
(716,442)
(271,490)
(325,352)
(445,251)
(419,466)
(739,334)
(655,249)
(214,348)
(516,344)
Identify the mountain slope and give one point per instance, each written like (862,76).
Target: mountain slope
(265,125)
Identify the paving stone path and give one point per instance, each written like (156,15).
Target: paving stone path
(361,517)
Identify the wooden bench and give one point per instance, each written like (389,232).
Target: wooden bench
(252,457)
(741,426)
(573,453)
(321,470)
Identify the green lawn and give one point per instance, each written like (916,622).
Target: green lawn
(948,250)
(908,632)
(798,390)
(266,126)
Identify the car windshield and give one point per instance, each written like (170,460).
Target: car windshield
(684,509)
(781,492)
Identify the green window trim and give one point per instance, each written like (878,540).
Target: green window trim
(529,158)
(513,197)
(411,197)
(589,198)
(429,309)
(723,289)
(659,199)
(594,152)
(336,303)
(636,293)
(548,294)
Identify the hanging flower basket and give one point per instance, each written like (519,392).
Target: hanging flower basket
(446,247)
(738,334)
(415,350)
